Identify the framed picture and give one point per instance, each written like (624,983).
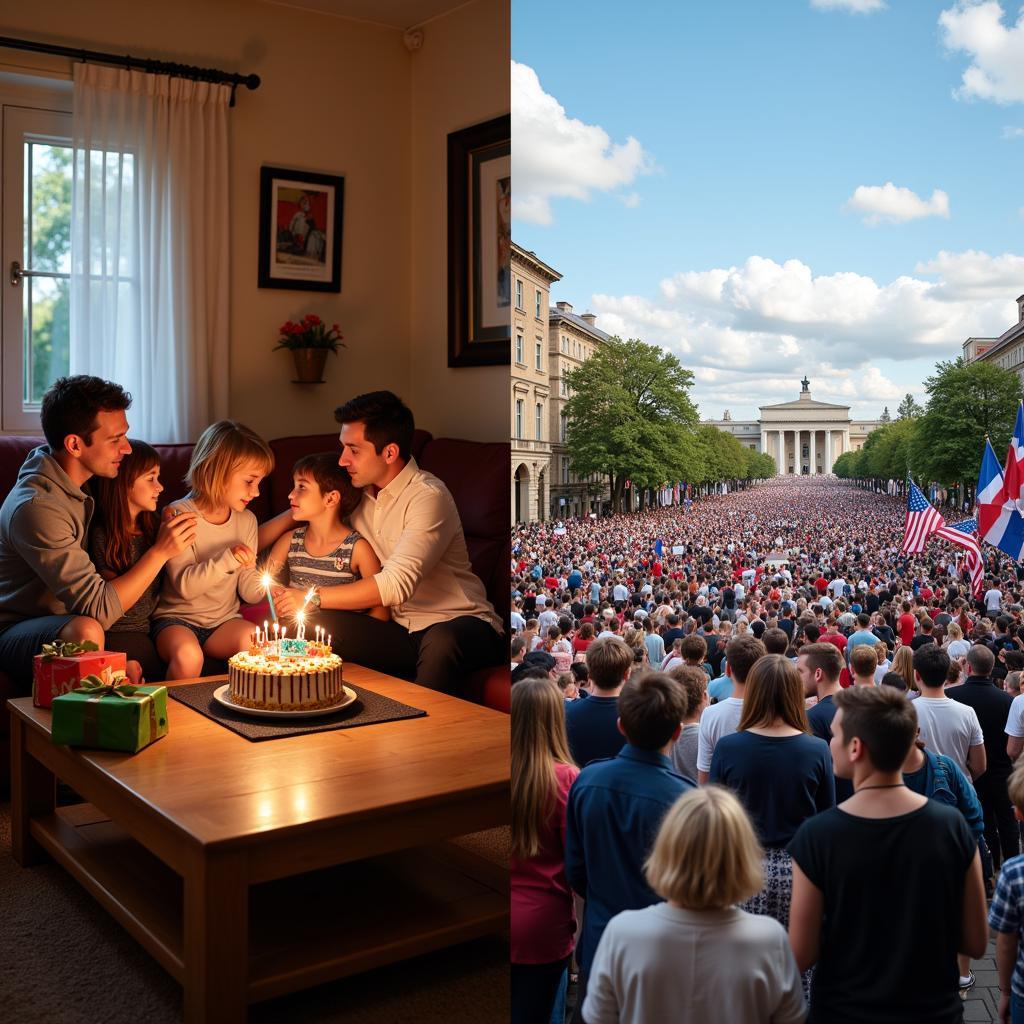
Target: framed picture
(480,244)
(300,230)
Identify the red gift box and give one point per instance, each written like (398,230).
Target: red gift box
(54,675)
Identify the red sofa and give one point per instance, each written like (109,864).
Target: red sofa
(475,472)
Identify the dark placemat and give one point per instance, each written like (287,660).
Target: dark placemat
(368,709)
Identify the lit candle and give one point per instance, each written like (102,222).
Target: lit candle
(328,641)
(300,631)
(277,631)
(266,632)
(284,632)
(267,581)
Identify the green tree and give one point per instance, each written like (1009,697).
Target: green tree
(630,417)
(887,450)
(51,244)
(909,408)
(966,401)
(885,417)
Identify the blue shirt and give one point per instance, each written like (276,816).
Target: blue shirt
(1007,913)
(940,778)
(862,636)
(574,580)
(819,718)
(720,688)
(592,728)
(782,780)
(615,808)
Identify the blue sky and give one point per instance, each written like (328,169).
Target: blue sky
(769,189)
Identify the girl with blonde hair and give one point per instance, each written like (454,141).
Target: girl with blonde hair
(903,662)
(543,919)
(697,957)
(198,611)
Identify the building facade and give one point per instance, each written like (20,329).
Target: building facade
(572,339)
(1006,351)
(805,437)
(532,279)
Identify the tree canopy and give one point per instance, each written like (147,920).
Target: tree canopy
(909,408)
(630,417)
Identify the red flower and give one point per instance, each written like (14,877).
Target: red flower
(312,318)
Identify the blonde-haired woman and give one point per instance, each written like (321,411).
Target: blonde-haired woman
(903,662)
(955,645)
(697,957)
(543,920)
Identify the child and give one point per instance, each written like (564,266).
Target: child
(326,552)
(198,609)
(125,536)
(697,956)
(567,684)
(1006,918)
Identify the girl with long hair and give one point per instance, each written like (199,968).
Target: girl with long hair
(903,662)
(126,532)
(543,920)
(782,774)
(198,612)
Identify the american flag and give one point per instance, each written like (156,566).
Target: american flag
(964,534)
(922,520)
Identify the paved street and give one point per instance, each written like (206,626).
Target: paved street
(982,1001)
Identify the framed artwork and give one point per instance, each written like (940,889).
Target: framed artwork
(300,230)
(480,244)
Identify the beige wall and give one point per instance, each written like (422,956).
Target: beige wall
(459,78)
(337,97)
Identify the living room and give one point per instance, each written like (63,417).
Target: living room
(369,93)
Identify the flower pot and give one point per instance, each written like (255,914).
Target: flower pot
(309,364)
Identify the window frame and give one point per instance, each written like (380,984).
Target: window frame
(40,113)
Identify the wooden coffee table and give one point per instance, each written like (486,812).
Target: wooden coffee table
(249,870)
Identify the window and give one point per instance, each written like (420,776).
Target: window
(563,427)
(539,354)
(565,471)
(565,389)
(536,309)
(519,417)
(539,422)
(37,236)
(565,345)
(519,294)
(519,350)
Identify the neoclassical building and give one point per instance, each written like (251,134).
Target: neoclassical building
(805,437)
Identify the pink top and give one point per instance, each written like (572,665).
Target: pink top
(543,920)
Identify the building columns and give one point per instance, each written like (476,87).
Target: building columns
(812,458)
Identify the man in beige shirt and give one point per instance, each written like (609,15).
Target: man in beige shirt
(443,626)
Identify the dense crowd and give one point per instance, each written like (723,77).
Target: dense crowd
(751,738)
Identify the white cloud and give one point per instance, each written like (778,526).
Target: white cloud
(631,200)
(996,50)
(856,6)
(894,204)
(557,156)
(1012,132)
(749,332)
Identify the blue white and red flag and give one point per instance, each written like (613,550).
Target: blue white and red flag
(999,522)
(922,520)
(1013,474)
(964,534)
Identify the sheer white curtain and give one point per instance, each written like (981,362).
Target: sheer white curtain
(149,245)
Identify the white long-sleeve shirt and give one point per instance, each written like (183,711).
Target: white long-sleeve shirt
(203,584)
(414,528)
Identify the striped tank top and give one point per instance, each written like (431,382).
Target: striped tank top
(330,570)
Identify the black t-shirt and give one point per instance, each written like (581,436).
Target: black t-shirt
(889,934)
(920,640)
(886,635)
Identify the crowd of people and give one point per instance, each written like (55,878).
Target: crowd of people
(763,764)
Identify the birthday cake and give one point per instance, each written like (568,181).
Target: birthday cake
(285,675)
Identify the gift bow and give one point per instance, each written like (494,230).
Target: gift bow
(67,649)
(112,684)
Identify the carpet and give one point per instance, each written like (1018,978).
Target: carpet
(63,960)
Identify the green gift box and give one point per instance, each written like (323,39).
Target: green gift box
(110,715)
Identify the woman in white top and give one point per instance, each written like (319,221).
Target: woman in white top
(955,645)
(697,957)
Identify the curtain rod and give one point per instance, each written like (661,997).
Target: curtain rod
(157,67)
